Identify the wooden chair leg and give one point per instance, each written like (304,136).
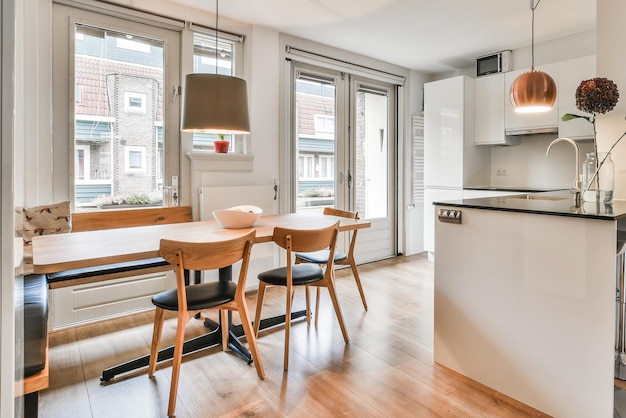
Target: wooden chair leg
(333,297)
(176,361)
(357,279)
(159,316)
(288,301)
(259,304)
(317,305)
(308,305)
(224,328)
(252,343)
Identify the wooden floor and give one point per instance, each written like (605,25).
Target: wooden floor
(387,370)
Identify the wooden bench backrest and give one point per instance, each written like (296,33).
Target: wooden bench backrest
(126,218)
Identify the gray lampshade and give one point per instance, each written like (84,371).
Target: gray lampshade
(215,103)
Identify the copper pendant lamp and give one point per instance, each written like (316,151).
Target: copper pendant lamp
(215,103)
(533,91)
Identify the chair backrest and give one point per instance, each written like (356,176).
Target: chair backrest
(207,256)
(307,240)
(345,214)
(342,213)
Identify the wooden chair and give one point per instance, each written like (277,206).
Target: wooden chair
(294,275)
(190,300)
(341,258)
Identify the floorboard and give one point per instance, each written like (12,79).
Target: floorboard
(387,370)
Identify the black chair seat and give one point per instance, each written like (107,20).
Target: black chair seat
(202,296)
(321,257)
(302,274)
(127,266)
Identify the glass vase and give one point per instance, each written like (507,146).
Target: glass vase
(600,188)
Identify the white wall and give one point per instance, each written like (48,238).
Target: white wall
(611,62)
(527,165)
(7,289)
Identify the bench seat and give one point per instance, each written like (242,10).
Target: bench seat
(107,271)
(35,323)
(36,371)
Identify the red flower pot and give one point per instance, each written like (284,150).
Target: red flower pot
(221,146)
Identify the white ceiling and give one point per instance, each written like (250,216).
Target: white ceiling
(432,36)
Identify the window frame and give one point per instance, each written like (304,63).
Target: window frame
(236,44)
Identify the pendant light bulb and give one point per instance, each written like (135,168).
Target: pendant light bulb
(533,91)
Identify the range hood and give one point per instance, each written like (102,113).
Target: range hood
(532,131)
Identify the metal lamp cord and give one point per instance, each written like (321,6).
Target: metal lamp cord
(217,13)
(533,6)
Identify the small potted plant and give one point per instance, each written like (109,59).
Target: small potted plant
(221,145)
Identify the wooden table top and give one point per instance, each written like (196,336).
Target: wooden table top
(53,253)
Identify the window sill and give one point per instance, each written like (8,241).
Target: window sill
(211,161)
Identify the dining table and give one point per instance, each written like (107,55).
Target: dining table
(61,252)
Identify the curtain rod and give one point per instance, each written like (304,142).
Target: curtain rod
(346,65)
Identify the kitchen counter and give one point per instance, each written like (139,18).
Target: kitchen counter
(514,189)
(525,298)
(558,203)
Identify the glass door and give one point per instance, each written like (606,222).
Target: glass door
(316,129)
(372,168)
(344,151)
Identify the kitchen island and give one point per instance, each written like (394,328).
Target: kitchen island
(525,298)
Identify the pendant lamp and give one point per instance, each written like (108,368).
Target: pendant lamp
(215,103)
(533,91)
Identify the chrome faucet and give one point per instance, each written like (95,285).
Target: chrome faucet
(577,181)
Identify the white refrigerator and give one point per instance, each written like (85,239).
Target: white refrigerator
(451,159)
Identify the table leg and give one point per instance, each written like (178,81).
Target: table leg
(210,339)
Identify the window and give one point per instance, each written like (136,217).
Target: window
(78,94)
(135,159)
(82,163)
(134,102)
(307,163)
(128,43)
(218,57)
(324,126)
(326,167)
(119,110)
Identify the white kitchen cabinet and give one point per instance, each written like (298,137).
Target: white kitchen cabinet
(489,99)
(519,123)
(571,73)
(519,297)
(451,159)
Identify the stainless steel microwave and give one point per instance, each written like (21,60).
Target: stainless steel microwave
(499,62)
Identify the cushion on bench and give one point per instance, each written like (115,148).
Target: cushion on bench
(113,268)
(35,323)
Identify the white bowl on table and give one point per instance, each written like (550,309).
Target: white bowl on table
(243,216)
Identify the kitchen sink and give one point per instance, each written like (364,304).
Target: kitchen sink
(539,197)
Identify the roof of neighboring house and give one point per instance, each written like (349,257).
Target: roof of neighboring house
(309,105)
(91,75)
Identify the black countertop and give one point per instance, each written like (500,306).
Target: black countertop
(520,189)
(559,203)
